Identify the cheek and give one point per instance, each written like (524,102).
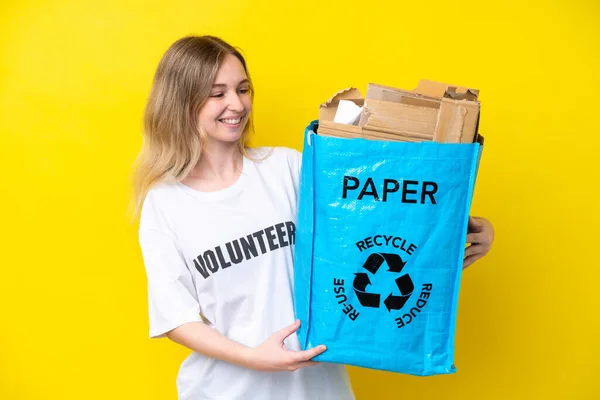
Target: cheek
(248,104)
(208,114)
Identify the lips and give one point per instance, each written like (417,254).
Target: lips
(231,121)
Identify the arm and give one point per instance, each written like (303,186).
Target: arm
(203,339)
(174,311)
(271,355)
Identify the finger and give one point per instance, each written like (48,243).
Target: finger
(310,353)
(287,331)
(471,259)
(304,364)
(474,225)
(475,237)
(474,249)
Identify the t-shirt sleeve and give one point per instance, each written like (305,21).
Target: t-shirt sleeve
(172,299)
(296,164)
(299,161)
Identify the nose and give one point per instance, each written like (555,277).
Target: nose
(235,103)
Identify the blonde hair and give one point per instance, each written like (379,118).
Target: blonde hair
(172,140)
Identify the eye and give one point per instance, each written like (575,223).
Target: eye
(216,95)
(243,91)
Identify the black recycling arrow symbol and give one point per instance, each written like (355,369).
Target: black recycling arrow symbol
(373,262)
(406,287)
(395,302)
(394,262)
(361,281)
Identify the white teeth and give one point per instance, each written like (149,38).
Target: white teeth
(232,121)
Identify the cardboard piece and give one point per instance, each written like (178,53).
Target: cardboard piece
(433,111)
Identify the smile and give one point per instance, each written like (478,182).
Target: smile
(231,121)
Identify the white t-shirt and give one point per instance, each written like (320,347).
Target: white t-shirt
(226,258)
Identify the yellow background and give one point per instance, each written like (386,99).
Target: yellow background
(74,77)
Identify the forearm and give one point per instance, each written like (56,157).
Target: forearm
(205,340)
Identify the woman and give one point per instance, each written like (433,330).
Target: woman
(217,235)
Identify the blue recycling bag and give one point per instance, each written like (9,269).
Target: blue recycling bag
(380,242)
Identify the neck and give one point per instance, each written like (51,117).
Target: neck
(219,161)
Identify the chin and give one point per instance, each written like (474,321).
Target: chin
(227,137)
(225,134)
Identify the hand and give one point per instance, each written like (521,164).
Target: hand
(480,235)
(272,355)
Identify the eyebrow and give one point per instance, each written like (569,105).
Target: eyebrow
(224,85)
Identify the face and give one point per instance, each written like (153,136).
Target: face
(225,113)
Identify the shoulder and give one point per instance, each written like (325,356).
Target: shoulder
(276,155)
(161,193)
(281,163)
(161,198)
